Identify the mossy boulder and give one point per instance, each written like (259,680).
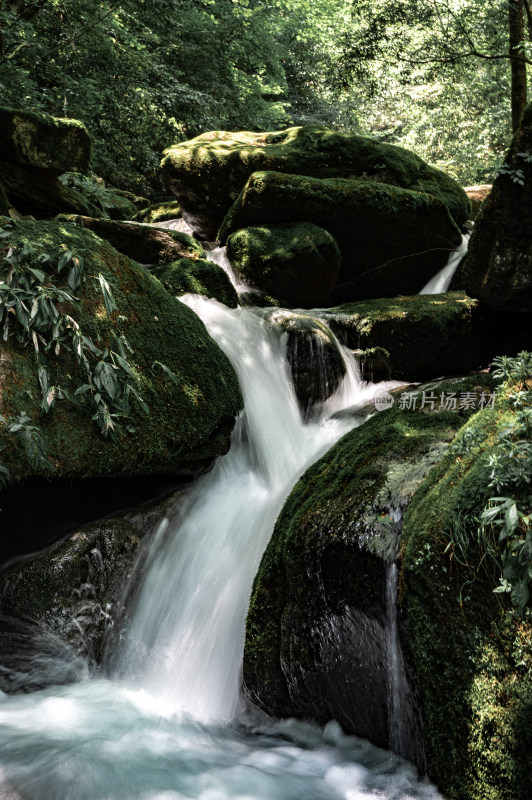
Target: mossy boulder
(41,193)
(472,653)
(145,243)
(207,173)
(60,609)
(159,212)
(190,416)
(498,265)
(424,336)
(198,277)
(316,362)
(112,203)
(39,140)
(318,628)
(299,263)
(392,240)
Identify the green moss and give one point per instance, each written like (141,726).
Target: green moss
(299,262)
(214,167)
(188,424)
(473,656)
(158,212)
(39,140)
(337,512)
(144,243)
(198,277)
(424,335)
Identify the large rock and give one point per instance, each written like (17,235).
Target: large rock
(208,172)
(191,408)
(198,277)
(41,193)
(498,265)
(472,652)
(320,637)
(39,140)
(424,336)
(159,212)
(145,243)
(299,263)
(60,609)
(392,240)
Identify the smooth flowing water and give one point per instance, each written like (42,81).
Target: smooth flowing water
(170,723)
(442,280)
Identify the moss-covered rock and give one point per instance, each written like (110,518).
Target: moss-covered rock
(208,172)
(392,240)
(160,212)
(112,203)
(317,632)
(198,277)
(59,609)
(190,418)
(145,243)
(299,263)
(40,193)
(423,335)
(473,656)
(39,140)
(498,265)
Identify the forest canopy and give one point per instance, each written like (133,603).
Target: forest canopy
(432,75)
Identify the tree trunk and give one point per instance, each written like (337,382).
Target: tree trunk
(516,27)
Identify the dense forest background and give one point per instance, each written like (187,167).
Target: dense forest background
(432,75)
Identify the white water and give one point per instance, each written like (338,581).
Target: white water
(442,280)
(168,725)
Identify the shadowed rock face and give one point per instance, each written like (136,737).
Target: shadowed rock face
(208,172)
(318,635)
(498,265)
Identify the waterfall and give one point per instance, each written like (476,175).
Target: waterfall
(168,724)
(396,680)
(442,280)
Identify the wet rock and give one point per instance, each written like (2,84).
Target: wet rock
(498,265)
(318,631)
(207,173)
(316,362)
(299,262)
(392,240)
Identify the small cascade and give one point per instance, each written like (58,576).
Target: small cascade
(442,280)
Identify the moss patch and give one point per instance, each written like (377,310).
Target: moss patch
(159,212)
(188,424)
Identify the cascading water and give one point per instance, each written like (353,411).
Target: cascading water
(442,280)
(169,725)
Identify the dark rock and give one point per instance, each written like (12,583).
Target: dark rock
(39,140)
(498,265)
(392,240)
(318,629)
(316,362)
(208,172)
(198,277)
(299,262)
(145,243)
(112,203)
(40,193)
(423,336)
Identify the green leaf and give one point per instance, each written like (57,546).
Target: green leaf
(108,298)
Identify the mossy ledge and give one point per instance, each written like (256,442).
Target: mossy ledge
(188,424)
